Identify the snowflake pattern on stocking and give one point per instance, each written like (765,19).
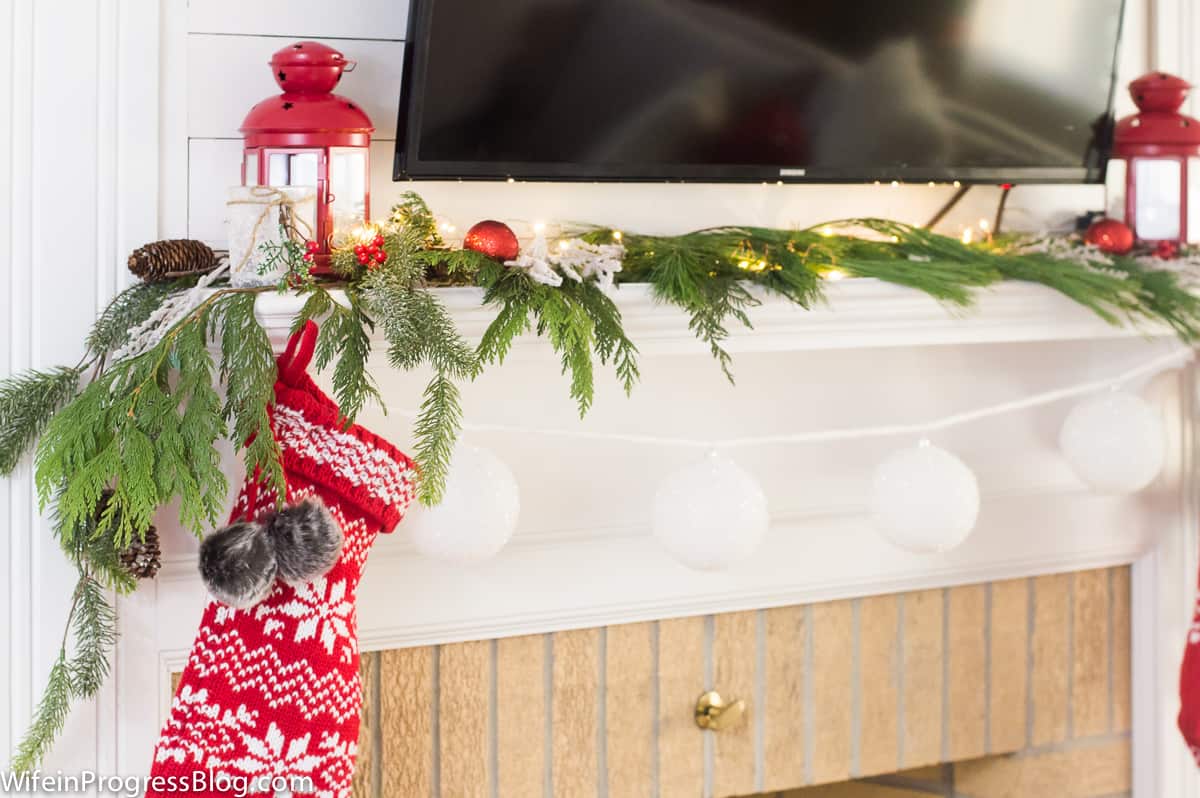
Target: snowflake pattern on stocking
(321,610)
(273,756)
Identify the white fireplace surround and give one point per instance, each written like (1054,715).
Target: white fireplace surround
(582,555)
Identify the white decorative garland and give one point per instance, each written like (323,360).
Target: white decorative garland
(174,308)
(574,258)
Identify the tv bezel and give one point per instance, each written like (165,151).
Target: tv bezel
(408,166)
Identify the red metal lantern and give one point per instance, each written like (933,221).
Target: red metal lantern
(309,136)
(1156,164)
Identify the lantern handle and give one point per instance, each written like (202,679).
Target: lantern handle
(348,66)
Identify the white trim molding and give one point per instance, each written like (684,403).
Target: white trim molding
(1164,596)
(859,314)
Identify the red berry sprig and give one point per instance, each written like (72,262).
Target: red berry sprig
(310,253)
(371,255)
(1166,250)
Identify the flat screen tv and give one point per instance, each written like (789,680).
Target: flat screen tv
(759,90)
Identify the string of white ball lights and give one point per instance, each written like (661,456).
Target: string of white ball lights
(713,513)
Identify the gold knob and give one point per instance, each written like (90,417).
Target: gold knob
(716,714)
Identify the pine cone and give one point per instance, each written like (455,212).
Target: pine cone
(142,558)
(161,260)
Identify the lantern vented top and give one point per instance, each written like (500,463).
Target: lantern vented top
(308,112)
(1159,91)
(309,67)
(1158,127)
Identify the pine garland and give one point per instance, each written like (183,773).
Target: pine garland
(131,430)
(419,331)
(578,319)
(142,431)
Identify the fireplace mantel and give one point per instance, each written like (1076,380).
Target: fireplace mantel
(874,354)
(860,313)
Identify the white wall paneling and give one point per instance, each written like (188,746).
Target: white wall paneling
(79,165)
(66,165)
(173,177)
(1175,32)
(350,19)
(16,498)
(212,166)
(229,74)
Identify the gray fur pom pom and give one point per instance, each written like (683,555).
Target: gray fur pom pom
(238,564)
(308,542)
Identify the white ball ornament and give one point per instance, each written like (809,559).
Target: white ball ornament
(1114,442)
(711,514)
(478,512)
(924,499)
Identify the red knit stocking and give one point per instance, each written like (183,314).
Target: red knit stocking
(272,692)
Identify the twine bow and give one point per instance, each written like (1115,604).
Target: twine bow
(267,197)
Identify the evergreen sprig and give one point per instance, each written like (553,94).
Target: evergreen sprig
(611,343)
(29,399)
(345,336)
(94,628)
(76,677)
(700,274)
(129,309)
(248,371)
(419,332)
(27,402)
(49,717)
(151,438)
(579,320)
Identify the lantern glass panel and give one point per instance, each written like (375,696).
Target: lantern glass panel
(1158,194)
(1193,200)
(292,169)
(348,184)
(1114,189)
(251,169)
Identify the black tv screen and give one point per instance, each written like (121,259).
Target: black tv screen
(759,90)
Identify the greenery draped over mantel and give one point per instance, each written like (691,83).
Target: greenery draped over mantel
(141,431)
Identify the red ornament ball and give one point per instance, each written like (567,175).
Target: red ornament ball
(1110,236)
(494,239)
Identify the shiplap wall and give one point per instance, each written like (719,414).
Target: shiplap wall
(835,690)
(227,46)
(78,188)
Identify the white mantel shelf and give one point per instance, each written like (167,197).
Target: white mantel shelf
(859,313)
(875,353)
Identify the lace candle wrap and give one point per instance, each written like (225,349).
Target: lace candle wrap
(271,694)
(253,219)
